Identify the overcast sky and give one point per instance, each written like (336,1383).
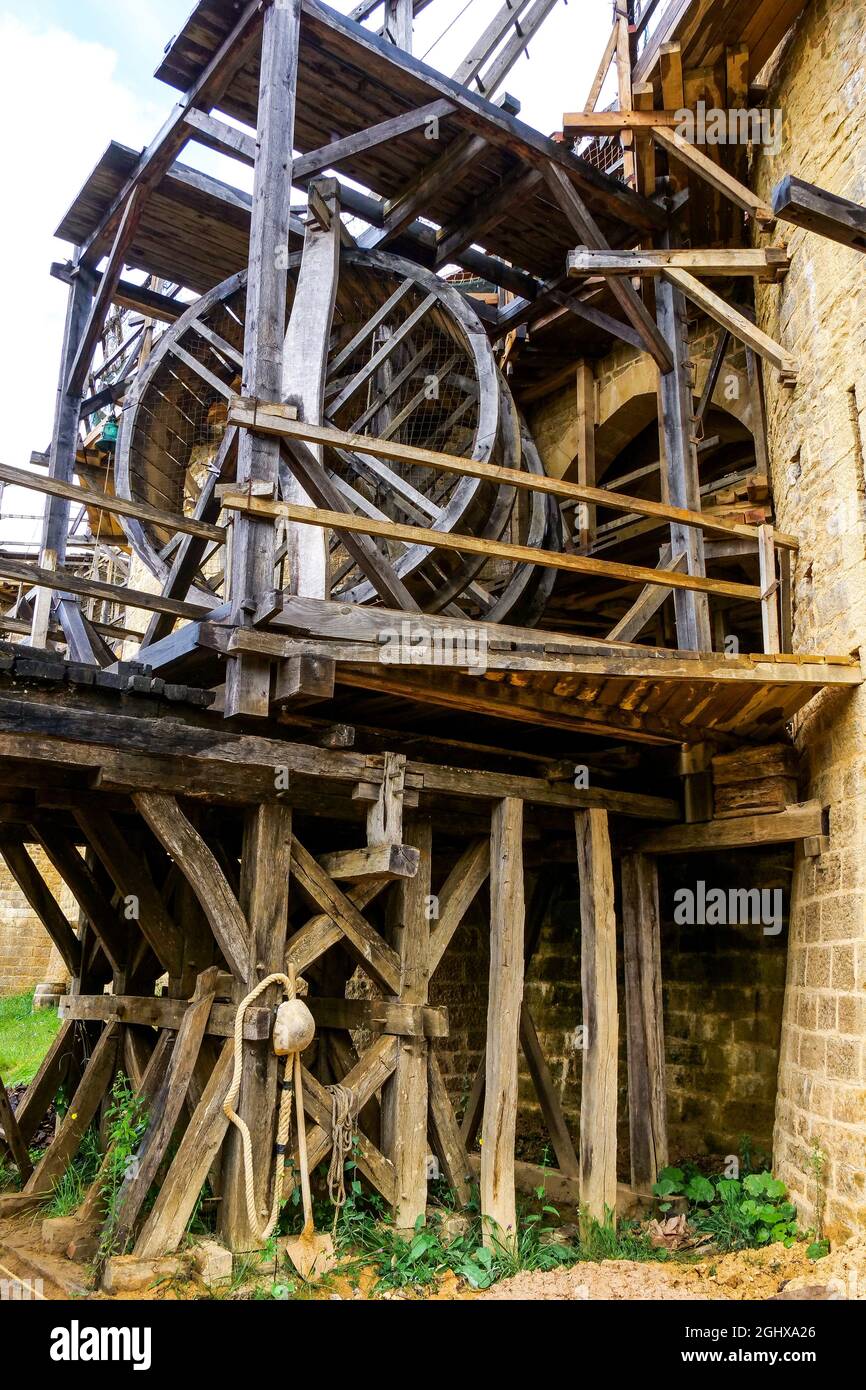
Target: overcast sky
(75,75)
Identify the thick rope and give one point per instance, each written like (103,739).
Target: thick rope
(344,1120)
(283,1122)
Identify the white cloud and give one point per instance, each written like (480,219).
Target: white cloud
(60,104)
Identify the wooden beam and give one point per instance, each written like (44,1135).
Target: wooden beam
(548,1095)
(219,135)
(586,475)
(821,212)
(736,323)
(389,861)
(266,860)
(179,1191)
(768,264)
(483,214)
(581,219)
(108,502)
(505,996)
(64,447)
(506,16)
(258,415)
(126,230)
(770,590)
(54,1068)
(42,901)
(404,1104)
(104,919)
(578,123)
(713,174)
(200,867)
(623,84)
(305,364)
(76,1121)
(798,821)
(164,1111)
(679,460)
(124,864)
(598,1096)
(372,953)
(493,76)
(163,1012)
(647,1095)
(598,80)
(21,572)
(253,551)
(647,603)
(456,896)
(12,1137)
(328,156)
(474,545)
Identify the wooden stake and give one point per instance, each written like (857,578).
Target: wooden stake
(404,1108)
(647,1100)
(507,912)
(598,1098)
(265,864)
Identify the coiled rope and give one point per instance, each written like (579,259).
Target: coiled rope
(344,1120)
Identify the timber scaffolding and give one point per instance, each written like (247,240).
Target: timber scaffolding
(325,467)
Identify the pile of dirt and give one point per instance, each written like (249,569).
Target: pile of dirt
(744,1274)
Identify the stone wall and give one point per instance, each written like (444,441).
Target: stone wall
(816,435)
(27,956)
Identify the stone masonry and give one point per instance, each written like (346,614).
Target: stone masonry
(816,443)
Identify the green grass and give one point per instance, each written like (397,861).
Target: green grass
(25,1037)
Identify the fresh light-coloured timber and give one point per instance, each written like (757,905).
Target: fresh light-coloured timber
(475,545)
(505,996)
(577,123)
(269,418)
(598,1095)
(736,323)
(713,173)
(768,264)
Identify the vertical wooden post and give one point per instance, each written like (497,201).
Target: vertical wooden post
(680,464)
(253,540)
(305,359)
(585,387)
(264,896)
(64,447)
(598,991)
(623,80)
(398,23)
(647,1099)
(507,913)
(404,1110)
(769,589)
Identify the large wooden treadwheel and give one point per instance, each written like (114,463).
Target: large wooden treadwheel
(408,360)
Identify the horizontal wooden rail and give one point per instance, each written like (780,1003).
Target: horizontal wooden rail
(478,545)
(120,506)
(20,572)
(266,418)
